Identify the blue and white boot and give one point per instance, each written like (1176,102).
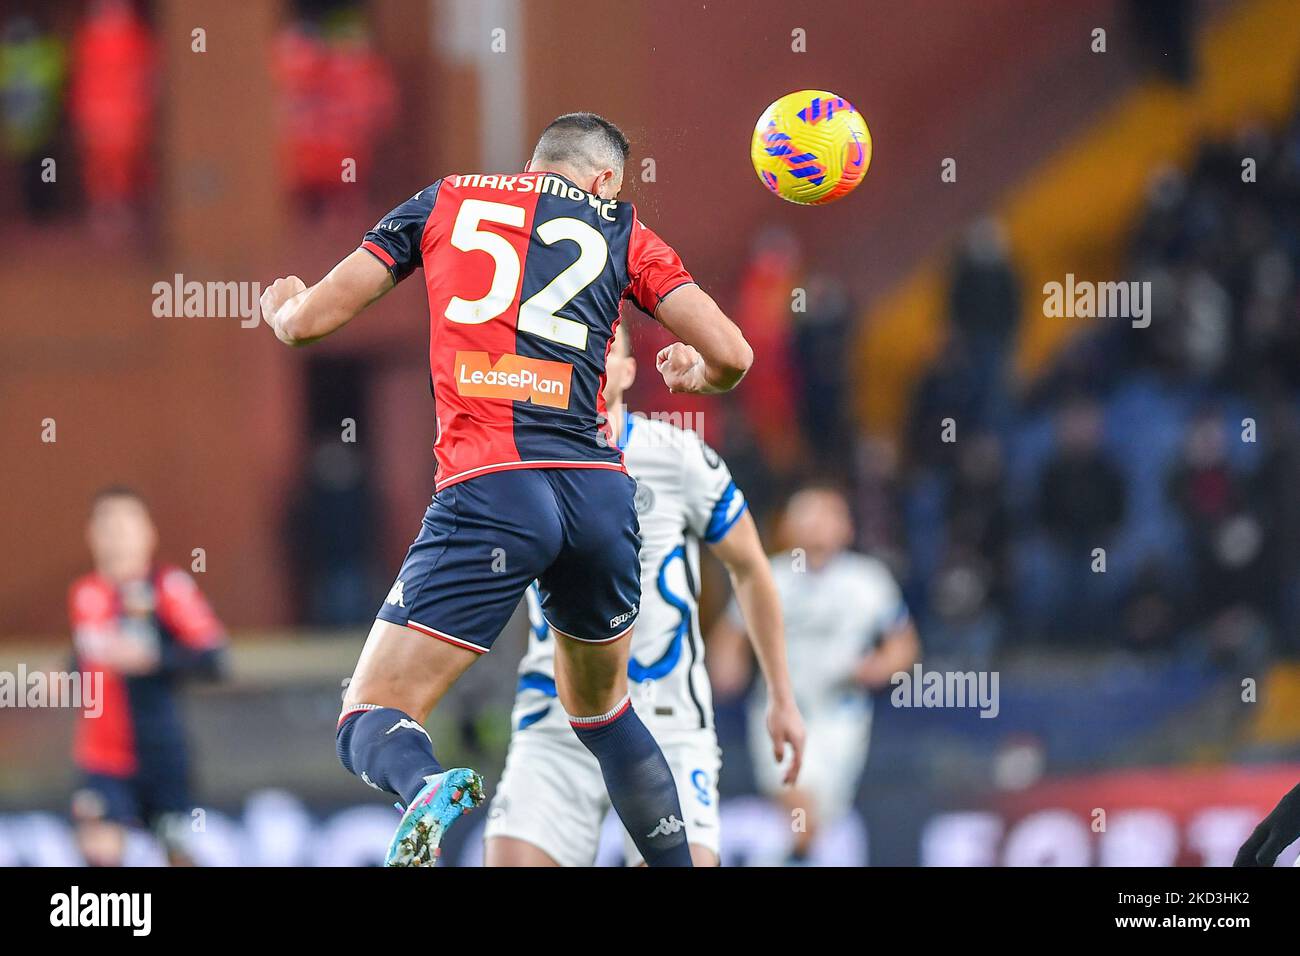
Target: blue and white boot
(443,800)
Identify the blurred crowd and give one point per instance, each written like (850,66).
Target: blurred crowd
(83,94)
(1138,492)
(337,99)
(83,91)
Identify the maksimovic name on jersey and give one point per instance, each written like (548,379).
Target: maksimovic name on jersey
(544,185)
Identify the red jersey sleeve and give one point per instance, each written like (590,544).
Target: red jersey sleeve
(90,603)
(653,267)
(92,611)
(185,612)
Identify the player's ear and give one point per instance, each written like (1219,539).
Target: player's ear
(528,166)
(631,373)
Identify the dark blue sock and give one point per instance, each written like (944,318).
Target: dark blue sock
(387,749)
(639,782)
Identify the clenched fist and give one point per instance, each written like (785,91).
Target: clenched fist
(682,368)
(276,295)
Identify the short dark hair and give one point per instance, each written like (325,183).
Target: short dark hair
(582,138)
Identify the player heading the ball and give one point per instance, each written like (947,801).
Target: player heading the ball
(524,274)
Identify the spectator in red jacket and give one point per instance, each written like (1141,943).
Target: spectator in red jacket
(111,103)
(337,99)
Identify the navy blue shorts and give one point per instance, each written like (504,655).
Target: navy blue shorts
(139,800)
(485,540)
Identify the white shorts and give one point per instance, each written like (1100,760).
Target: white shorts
(834,757)
(553,796)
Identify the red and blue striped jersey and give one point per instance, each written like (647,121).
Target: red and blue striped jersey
(139,726)
(525,274)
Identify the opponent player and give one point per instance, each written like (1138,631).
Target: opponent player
(550,805)
(524,274)
(1275,833)
(848,631)
(144,627)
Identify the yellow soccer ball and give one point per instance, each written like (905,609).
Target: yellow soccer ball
(811,147)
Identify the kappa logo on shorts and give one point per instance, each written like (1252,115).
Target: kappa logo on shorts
(515,377)
(409,724)
(667,827)
(395,596)
(623,618)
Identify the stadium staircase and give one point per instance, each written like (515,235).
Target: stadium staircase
(1071,214)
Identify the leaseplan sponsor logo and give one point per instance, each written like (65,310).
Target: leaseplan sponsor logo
(132,910)
(514,377)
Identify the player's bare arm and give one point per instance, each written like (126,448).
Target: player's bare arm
(300,315)
(712,355)
(741,552)
(730,661)
(898,650)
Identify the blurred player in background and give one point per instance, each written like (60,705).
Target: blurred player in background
(145,627)
(525,274)
(848,631)
(551,802)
